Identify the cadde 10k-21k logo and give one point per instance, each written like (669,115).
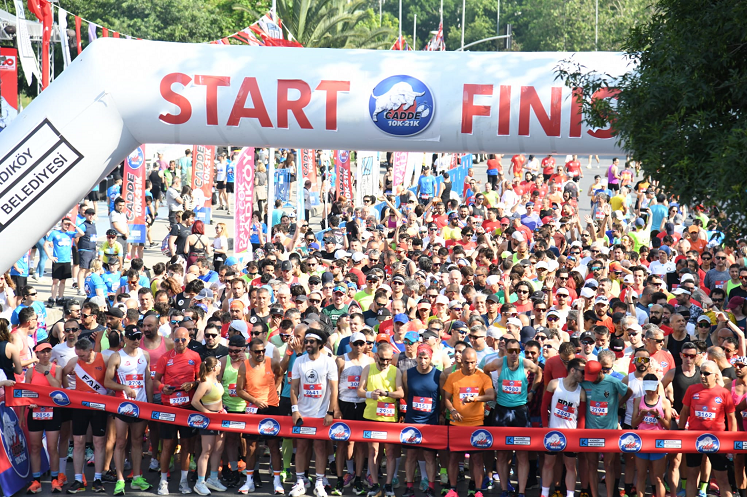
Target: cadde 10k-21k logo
(401,106)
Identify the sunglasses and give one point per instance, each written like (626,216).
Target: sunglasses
(258,352)
(210,335)
(540,337)
(706,373)
(632,333)
(369,343)
(315,301)
(703,324)
(181,339)
(657,340)
(739,365)
(606,370)
(310,340)
(475,337)
(360,344)
(588,342)
(553,318)
(256,333)
(31,294)
(642,360)
(513,351)
(410,342)
(135,337)
(522,291)
(689,356)
(235,351)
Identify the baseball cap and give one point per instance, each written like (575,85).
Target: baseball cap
(591,316)
(586,335)
(601,300)
(493,298)
(687,277)
(617,317)
(133,332)
(327,277)
(514,321)
(587,293)
(455,303)
(382,337)
(541,265)
(340,288)
(237,341)
(357,256)
(236,304)
(240,326)
(357,337)
(693,229)
(680,291)
(383,313)
(704,318)
(276,310)
(411,335)
(635,327)
(399,278)
(591,372)
(458,325)
(115,313)
(629,279)
(205,293)
(401,318)
(341,254)
(493,279)
(442,299)
(617,345)
(640,222)
(88,212)
(286,266)
(562,291)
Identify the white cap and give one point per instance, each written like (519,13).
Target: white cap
(552,265)
(240,326)
(553,312)
(680,291)
(562,290)
(518,236)
(541,265)
(493,279)
(493,332)
(687,277)
(442,299)
(515,322)
(635,326)
(341,254)
(357,337)
(577,244)
(358,256)
(588,293)
(628,279)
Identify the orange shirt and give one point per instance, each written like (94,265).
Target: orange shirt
(460,386)
(89,378)
(260,383)
(698,244)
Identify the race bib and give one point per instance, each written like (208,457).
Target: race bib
(422,404)
(467,392)
(599,408)
(152,375)
(251,409)
(705,415)
(134,380)
(179,400)
(650,420)
(402,406)
(385,409)
(313,390)
(232,390)
(353,381)
(42,413)
(511,387)
(564,411)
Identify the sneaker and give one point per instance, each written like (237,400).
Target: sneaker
(201,489)
(424,485)
(444,476)
(109,477)
(34,488)
(702,493)
(50,302)
(233,479)
(89,456)
(558,493)
(478,494)
(452,493)
(298,489)
(409,492)
(97,487)
(389,491)
(279,490)
(127,465)
(429,492)
(395,482)
(287,476)
(119,488)
(154,466)
(369,481)
(62,479)
(214,484)
(375,491)
(339,487)
(184,487)
(319,490)
(358,488)
(444,491)
(163,487)
(76,487)
(140,483)
(56,486)
(306,483)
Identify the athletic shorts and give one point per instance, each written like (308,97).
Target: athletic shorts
(284,409)
(650,456)
(718,460)
(21,283)
(66,414)
(229,187)
(76,260)
(563,453)
(129,419)
(85,417)
(613,187)
(62,271)
(268,411)
(220,185)
(352,411)
(168,431)
(85,258)
(93,196)
(53,424)
(511,417)
(157,194)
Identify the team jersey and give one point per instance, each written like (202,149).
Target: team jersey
(93,283)
(62,245)
(23,267)
(131,373)
(314,388)
(111,194)
(89,378)
(177,369)
(461,387)
(111,280)
(708,407)
(564,407)
(602,401)
(110,250)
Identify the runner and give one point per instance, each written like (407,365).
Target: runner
(651,412)
(233,404)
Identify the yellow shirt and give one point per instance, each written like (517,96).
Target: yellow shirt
(383,408)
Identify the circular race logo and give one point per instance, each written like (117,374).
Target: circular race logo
(401,106)
(128,409)
(410,436)
(14,442)
(340,432)
(707,443)
(60,398)
(482,439)
(269,427)
(344,156)
(198,421)
(554,441)
(629,442)
(136,158)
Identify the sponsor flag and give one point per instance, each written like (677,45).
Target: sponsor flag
(342,164)
(307,159)
(202,181)
(92,32)
(436,43)
(133,192)
(8,86)
(64,42)
(399,162)
(244,203)
(300,208)
(29,64)
(368,175)
(400,44)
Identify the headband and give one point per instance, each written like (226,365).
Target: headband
(311,335)
(424,347)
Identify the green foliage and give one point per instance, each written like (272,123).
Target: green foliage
(681,113)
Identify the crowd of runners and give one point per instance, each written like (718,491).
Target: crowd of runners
(497,305)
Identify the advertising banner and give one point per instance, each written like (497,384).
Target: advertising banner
(8,85)
(399,168)
(368,175)
(202,181)
(244,202)
(344,181)
(414,167)
(307,160)
(133,192)
(299,188)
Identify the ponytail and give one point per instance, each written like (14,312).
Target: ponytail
(207,366)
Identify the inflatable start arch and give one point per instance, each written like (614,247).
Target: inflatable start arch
(119,94)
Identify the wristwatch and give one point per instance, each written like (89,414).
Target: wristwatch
(46,373)
(330,413)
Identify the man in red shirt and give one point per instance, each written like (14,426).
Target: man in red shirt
(704,408)
(557,366)
(548,167)
(517,164)
(573,167)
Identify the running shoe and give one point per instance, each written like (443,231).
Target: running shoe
(163,487)
(119,488)
(201,489)
(34,488)
(214,484)
(98,486)
(76,487)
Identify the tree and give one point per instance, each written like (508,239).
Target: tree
(681,111)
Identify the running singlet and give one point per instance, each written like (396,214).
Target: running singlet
(511,387)
(131,373)
(177,369)
(650,422)
(260,384)
(42,413)
(314,388)
(423,396)
(564,407)
(155,356)
(90,377)
(231,401)
(636,386)
(383,408)
(350,378)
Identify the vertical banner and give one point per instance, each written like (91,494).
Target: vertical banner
(202,181)
(64,41)
(307,160)
(133,192)
(300,180)
(399,167)
(77,35)
(15,464)
(367,175)
(8,86)
(244,203)
(344,183)
(414,166)
(270,190)
(29,64)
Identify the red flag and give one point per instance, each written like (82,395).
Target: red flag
(104,32)
(77,34)
(35,8)
(116,34)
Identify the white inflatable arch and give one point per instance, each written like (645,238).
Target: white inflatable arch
(119,94)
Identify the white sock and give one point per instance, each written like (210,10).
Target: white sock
(184,475)
(569,493)
(63,464)
(300,477)
(423,472)
(164,477)
(351,466)
(545,492)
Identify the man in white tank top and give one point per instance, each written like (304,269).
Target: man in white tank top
(128,374)
(563,406)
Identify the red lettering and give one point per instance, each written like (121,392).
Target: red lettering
(504,111)
(249,87)
(332,88)
(211,98)
(469,109)
(185,108)
(530,100)
(295,106)
(603,93)
(577,100)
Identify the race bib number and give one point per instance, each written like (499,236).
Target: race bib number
(385,409)
(152,375)
(353,381)
(42,413)
(650,420)
(232,390)
(313,390)
(251,409)
(134,380)
(564,411)
(511,387)
(422,404)
(467,392)
(705,415)
(402,406)
(599,408)
(179,401)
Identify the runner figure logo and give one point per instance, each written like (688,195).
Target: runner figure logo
(411,436)
(339,432)
(629,442)
(401,106)
(482,439)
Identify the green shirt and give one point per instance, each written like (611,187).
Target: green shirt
(334,313)
(364,299)
(602,401)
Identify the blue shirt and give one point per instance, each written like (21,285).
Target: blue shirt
(94,283)
(144,281)
(658,212)
(41,319)
(427,186)
(23,265)
(230,172)
(62,244)
(111,280)
(112,193)
(211,277)
(255,233)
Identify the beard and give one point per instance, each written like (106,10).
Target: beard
(654,320)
